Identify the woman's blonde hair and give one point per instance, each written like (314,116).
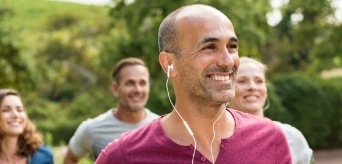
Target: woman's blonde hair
(262,66)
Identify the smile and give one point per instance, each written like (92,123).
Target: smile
(220,78)
(227,76)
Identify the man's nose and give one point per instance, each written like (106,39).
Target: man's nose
(225,59)
(138,87)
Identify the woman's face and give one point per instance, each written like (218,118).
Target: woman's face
(13,118)
(250,89)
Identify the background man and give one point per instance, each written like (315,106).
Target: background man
(131,86)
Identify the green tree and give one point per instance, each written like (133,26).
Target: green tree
(68,53)
(14,72)
(327,53)
(305,36)
(307,105)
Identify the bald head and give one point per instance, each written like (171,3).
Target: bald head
(169,30)
(200,11)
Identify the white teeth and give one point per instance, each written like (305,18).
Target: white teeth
(251,98)
(14,123)
(220,78)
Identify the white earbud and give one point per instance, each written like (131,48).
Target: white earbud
(169,67)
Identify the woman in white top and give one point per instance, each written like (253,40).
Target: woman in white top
(250,97)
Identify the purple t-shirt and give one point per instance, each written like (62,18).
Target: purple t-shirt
(255,140)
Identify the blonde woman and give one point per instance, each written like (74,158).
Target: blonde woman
(250,97)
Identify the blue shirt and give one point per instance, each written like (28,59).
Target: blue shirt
(43,155)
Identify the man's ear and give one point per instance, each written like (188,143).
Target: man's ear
(115,89)
(165,60)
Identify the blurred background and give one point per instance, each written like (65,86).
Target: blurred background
(59,54)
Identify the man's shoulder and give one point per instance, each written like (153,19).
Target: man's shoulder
(246,122)
(249,118)
(100,118)
(96,122)
(151,114)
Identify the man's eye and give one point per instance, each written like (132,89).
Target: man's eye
(129,83)
(209,47)
(232,46)
(143,83)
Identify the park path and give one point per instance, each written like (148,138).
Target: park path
(333,156)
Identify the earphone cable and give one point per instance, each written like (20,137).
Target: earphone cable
(188,128)
(184,122)
(212,141)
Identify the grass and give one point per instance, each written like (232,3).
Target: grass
(31,17)
(59,153)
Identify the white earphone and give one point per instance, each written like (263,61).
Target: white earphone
(169,67)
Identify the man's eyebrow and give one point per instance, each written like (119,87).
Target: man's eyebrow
(213,39)
(234,39)
(208,39)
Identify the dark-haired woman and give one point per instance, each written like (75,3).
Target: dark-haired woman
(20,143)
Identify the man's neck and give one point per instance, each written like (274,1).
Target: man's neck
(203,129)
(129,116)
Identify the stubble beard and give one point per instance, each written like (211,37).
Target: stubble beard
(208,93)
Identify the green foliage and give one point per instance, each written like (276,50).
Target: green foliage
(61,119)
(308,106)
(299,43)
(61,20)
(327,54)
(311,104)
(276,110)
(48,138)
(14,70)
(333,87)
